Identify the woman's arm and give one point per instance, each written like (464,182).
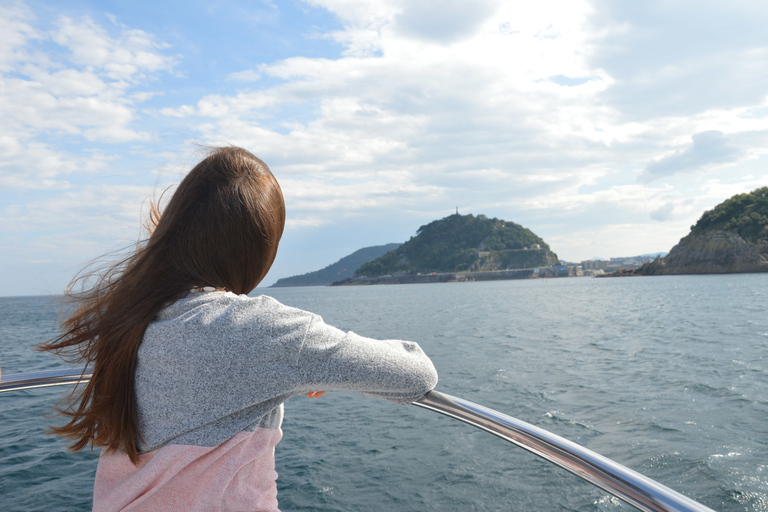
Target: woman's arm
(394,370)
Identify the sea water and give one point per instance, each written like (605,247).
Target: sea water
(666,375)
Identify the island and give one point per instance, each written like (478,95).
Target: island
(461,248)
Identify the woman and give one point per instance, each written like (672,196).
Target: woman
(190,374)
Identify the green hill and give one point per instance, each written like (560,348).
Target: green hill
(463,243)
(743,214)
(342,269)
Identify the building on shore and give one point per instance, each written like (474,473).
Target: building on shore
(614,264)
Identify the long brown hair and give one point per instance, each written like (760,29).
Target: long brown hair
(221,228)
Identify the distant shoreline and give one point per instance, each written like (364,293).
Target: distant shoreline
(454,277)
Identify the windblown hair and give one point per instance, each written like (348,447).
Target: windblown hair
(220,229)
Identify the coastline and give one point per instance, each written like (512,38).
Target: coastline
(454,277)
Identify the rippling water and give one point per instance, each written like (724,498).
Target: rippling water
(666,375)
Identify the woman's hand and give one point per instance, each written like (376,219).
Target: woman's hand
(315,394)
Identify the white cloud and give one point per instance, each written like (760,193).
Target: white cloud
(130,57)
(520,108)
(247,75)
(93,211)
(663,212)
(706,149)
(68,95)
(73,81)
(590,122)
(15,30)
(681,58)
(443,21)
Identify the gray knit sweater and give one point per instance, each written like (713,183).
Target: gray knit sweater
(215,364)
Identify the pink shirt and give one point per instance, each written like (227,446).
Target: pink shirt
(237,475)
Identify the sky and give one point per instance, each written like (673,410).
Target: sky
(607,127)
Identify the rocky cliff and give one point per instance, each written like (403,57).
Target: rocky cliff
(730,238)
(712,252)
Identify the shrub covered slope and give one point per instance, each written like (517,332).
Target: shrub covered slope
(461,243)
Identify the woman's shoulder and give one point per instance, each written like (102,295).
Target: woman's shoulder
(244,325)
(209,306)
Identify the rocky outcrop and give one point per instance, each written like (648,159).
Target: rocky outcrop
(711,252)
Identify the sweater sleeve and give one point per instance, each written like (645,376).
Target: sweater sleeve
(394,370)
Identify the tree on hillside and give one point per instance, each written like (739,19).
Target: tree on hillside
(744,214)
(454,244)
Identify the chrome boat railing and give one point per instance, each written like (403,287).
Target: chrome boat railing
(635,489)
(630,486)
(44,378)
